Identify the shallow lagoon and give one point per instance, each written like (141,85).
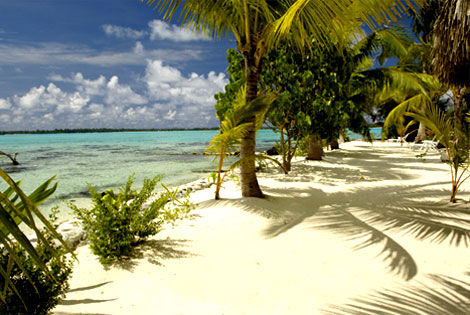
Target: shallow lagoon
(106,160)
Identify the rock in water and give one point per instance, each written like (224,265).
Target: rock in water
(272,151)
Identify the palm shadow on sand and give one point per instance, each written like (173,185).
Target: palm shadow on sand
(365,215)
(369,216)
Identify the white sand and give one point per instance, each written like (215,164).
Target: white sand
(270,256)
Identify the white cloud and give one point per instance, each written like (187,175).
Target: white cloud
(58,54)
(122,94)
(164,98)
(181,98)
(4,103)
(162,30)
(122,32)
(167,83)
(50,99)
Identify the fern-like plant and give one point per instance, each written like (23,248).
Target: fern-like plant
(456,142)
(120,220)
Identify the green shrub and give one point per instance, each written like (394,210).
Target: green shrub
(119,221)
(37,291)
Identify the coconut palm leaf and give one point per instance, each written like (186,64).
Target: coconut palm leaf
(391,42)
(446,296)
(324,18)
(437,121)
(394,116)
(17,208)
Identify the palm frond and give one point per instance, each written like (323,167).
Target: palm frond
(414,103)
(391,42)
(17,208)
(435,120)
(325,18)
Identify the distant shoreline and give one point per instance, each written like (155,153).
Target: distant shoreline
(98,130)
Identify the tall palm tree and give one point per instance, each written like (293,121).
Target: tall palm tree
(259,24)
(451,50)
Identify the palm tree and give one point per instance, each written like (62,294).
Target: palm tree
(455,140)
(259,24)
(451,50)
(234,126)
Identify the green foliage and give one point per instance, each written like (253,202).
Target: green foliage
(17,208)
(236,81)
(456,142)
(234,126)
(36,291)
(120,220)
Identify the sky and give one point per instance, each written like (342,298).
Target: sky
(104,64)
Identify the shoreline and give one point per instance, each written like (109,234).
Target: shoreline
(288,253)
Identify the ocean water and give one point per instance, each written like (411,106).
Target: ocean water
(106,160)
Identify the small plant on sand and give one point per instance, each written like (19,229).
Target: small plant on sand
(39,290)
(456,142)
(120,220)
(32,276)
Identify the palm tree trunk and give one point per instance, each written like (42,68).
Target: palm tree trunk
(334,144)
(421,135)
(315,148)
(249,182)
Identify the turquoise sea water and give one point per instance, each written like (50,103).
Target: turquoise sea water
(106,160)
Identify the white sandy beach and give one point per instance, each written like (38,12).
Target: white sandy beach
(291,252)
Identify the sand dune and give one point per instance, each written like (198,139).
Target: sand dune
(319,239)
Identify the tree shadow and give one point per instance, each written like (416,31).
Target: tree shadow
(447,295)
(358,216)
(85,301)
(155,251)
(91,287)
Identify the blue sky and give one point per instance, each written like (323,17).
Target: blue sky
(104,64)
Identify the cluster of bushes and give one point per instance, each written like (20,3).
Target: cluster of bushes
(120,220)
(34,290)
(34,278)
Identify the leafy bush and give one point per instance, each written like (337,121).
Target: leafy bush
(119,221)
(32,279)
(37,290)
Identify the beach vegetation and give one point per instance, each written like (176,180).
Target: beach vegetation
(12,157)
(120,220)
(450,52)
(234,126)
(31,276)
(38,290)
(456,142)
(259,26)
